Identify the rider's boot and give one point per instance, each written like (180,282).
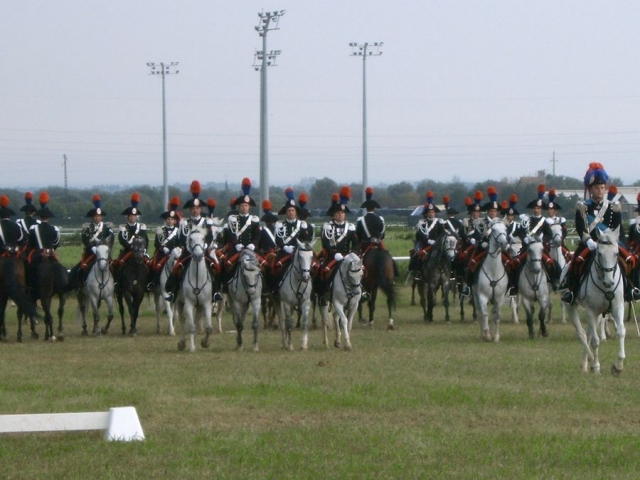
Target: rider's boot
(171,287)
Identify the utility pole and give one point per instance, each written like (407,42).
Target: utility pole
(268,21)
(554,161)
(66,186)
(164,69)
(363,50)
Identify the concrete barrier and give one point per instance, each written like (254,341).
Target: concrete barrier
(119,423)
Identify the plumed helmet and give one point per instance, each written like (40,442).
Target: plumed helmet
(369,202)
(552,200)
(493,200)
(196,189)
(290,203)
(28,206)
(302,202)
(5,211)
(429,206)
(510,207)
(172,209)
(596,175)
(96,210)
(133,209)
(246,190)
(268,216)
(539,202)
(44,211)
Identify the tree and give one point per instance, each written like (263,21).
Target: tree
(321,193)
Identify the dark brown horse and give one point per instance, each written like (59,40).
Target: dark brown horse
(12,286)
(49,279)
(379,273)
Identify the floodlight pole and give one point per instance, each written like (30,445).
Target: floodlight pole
(268,21)
(364,51)
(164,69)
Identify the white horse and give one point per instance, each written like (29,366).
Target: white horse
(159,293)
(294,293)
(514,248)
(98,287)
(557,254)
(600,292)
(346,291)
(245,290)
(195,292)
(533,285)
(491,282)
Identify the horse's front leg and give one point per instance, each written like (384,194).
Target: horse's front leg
(239,311)
(495,324)
(61,304)
(286,324)
(95,308)
(445,302)
(255,324)
(593,339)
(482,306)
(618,317)
(324,315)
(542,315)
(305,308)
(208,328)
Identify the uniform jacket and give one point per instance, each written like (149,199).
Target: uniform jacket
(370,226)
(428,230)
(44,236)
(244,229)
(187,225)
(601,215)
(93,235)
(11,235)
(166,237)
(339,238)
(26,223)
(633,237)
(127,232)
(289,232)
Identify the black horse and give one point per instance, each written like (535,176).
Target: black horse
(131,284)
(436,273)
(12,286)
(49,278)
(379,273)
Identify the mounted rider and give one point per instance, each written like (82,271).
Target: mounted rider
(534,226)
(127,233)
(633,241)
(242,231)
(12,237)
(452,225)
(95,233)
(469,241)
(370,227)
(44,239)
(196,221)
(338,239)
(509,214)
(166,240)
(29,218)
(595,214)
(428,230)
(287,234)
(304,213)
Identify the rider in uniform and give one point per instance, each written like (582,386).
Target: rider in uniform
(29,218)
(12,237)
(338,239)
(428,230)
(370,227)
(304,214)
(509,213)
(595,213)
(469,234)
(633,241)
(44,239)
(93,234)
(166,239)
(128,232)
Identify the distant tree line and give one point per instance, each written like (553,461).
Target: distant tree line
(71,206)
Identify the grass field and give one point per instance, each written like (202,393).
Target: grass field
(422,401)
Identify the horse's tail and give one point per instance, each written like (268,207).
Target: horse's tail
(386,272)
(16,291)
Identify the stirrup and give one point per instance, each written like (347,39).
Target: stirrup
(466,291)
(635,294)
(170,297)
(150,287)
(217,297)
(365,296)
(567,297)
(513,292)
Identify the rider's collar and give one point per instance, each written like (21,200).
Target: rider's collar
(132,224)
(196,219)
(335,222)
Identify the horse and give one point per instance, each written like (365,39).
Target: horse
(159,292)
(51,279)
(514,249)
(131,286)
(195,293)
(294,293)
(600,292)
(491,282)
(346,291)
(557,254)
(98,287)
(245,290)
(436,273)
(533,285)
(379,273)
(12,286)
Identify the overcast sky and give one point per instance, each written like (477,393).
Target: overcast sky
(470,89)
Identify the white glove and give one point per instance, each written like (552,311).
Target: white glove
(338,257)
(431,242)
(251,247)
(94,249)
(165,250)
(288,248)
(472,241)
(591,244)
(484,245)
(526,240)
(239,247)
(206,246)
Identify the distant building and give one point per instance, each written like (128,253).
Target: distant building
(535,179)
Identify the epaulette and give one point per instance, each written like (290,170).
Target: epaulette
(581,207)
(359,218)
(616,207)
(143,226)
(159,231)
(85,225)
(122,227)
(254,218)
(633,221)
(351,227)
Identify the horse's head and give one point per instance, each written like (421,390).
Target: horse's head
(139,247)
(498,235)
(515,245)
(606,259)
(535,250)
(352,270)
(450,245)
(249,269)
(303,260)
(196,244)
(556,235)
(102,256)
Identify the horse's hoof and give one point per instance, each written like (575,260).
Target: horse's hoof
(19,339)
(61,338)
(615,371)
(34,336)
(204,343)
(337,344)
(239,348)
(348,347)
(531,335)
(181,345)
(391,326)
(53,338)
(256,348)
(544,333)
(84,333)
(133,332)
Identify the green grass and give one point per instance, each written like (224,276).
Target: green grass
(423,401)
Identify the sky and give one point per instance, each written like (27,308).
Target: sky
(463,90)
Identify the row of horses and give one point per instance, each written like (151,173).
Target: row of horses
(600,292)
